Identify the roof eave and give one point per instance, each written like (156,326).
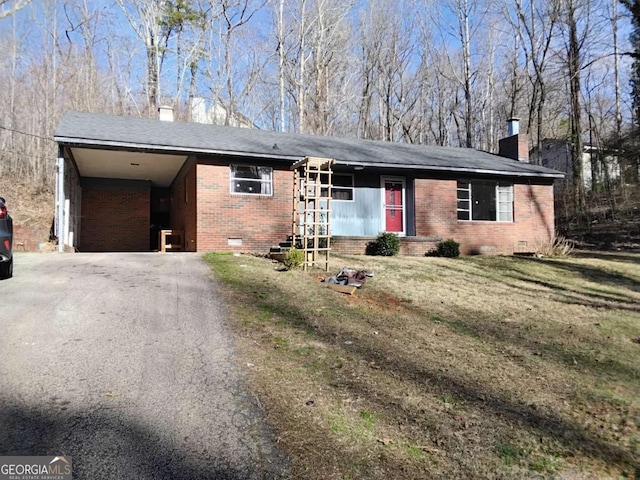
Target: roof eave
(435,168)
(88,143)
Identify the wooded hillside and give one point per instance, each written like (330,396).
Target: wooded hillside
(445,72)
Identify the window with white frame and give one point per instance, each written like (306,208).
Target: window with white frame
(251,180)
(485,201)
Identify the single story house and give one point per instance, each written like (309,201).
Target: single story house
(120,179)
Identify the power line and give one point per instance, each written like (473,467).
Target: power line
(25,133)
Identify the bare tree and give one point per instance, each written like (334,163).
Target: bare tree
(397,88)
(317,57)
(485,133)
(535,22)
(616,71)
(573,48)
(438,92)
(144,17)
(281,65)
(184,25)
(9,7)
(369,58)
(468,15)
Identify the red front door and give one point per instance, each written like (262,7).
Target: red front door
(393,208)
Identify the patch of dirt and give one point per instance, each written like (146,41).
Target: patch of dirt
(30,205)
(377,300)
(32,209)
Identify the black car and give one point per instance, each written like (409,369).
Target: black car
(6,241)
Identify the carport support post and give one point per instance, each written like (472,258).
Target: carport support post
(60,200)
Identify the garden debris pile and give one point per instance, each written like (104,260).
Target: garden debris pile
(350,277)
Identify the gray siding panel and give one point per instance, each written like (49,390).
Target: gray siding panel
(362,217)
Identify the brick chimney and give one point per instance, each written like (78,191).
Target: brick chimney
(516,145)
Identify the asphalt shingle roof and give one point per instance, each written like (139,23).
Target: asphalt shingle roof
(89,129)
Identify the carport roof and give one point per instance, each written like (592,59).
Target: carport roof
(132,133)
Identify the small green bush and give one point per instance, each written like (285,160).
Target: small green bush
(386,245)
(294,258)
(448,248)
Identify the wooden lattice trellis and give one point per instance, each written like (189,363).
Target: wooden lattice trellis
(312,210)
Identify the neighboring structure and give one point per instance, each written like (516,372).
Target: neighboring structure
(598,167)
(231,189)
(217,114)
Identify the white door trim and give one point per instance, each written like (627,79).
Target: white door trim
(394,179)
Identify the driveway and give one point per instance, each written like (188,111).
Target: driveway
(123,362)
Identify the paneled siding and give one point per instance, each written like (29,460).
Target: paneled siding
(362,216)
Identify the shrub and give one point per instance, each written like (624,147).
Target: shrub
(448,248)
(294,258)
(558,246)
(387,244)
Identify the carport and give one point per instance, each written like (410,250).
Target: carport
(115,197)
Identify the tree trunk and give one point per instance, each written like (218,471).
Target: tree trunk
(576,124)
(466,54)
(152,77)
(616,71)
(281,72)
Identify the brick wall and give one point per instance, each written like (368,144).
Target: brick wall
(183,204)
(115,219)
(350,245)
(436,216)
(28,238)
(259,222)
(437,219)
(415,246)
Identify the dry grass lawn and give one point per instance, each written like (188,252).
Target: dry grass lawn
(476,367)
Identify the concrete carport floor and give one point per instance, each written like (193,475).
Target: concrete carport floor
(122,361)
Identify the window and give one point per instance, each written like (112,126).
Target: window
(342,186)
(251,180)
(485,201)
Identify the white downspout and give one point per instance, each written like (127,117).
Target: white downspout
(67,218)
(60,201)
